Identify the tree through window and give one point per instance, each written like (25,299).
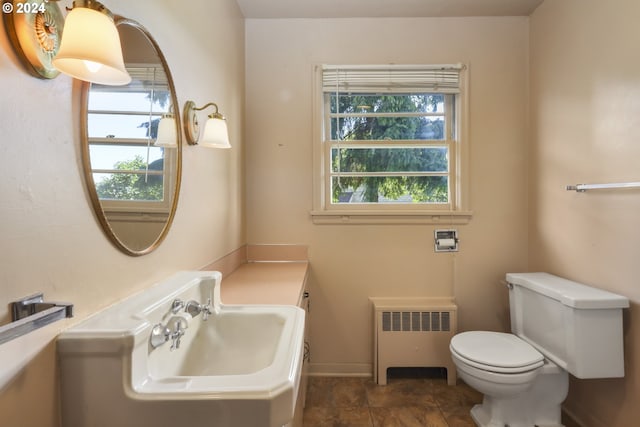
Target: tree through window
(389,136)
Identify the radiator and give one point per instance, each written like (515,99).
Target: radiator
(413,332)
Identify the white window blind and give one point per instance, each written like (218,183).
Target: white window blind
(148,76)
(392,78)
(389,146)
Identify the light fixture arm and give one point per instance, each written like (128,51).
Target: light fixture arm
(94,5)
(89,4)
(205,106)
(215,114)
(168,113)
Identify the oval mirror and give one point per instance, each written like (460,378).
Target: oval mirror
(131,146)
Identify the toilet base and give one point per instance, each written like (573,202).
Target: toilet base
(482,417)
(540,405)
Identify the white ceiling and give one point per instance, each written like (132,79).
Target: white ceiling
(384,8)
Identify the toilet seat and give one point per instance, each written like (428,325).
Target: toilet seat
(496,352)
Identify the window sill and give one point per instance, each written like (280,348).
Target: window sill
(390,217)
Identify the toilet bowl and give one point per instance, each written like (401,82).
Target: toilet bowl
(520,387)
(495,363)
(558,327)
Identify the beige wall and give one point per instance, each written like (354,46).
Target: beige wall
(350,263)
(50,240)
(584,90)
(585,122)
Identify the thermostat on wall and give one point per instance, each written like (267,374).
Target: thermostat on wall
(446,240)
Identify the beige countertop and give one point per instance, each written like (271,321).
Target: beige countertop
(265,283)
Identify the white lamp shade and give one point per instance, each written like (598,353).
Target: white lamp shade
(167,134)
(216,134)
(90,49)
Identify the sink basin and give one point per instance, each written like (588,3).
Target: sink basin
(239,367)
(237,343)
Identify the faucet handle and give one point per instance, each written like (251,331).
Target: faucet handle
(206,310)
(176,336)
(177,305)
(194,308)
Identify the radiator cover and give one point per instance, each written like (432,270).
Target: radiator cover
(413,332)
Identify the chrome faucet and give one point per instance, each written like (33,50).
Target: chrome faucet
(160,334)
(175,327)
(173,330)
(194,308)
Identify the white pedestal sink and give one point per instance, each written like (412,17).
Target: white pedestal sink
(240,367)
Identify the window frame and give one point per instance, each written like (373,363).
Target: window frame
(141,71)
(454,212)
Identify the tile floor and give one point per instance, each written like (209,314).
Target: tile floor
(407,400)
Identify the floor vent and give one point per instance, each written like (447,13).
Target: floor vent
(413,332)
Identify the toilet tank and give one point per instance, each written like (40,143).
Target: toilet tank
(576,326)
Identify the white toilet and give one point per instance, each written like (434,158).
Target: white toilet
(558,327)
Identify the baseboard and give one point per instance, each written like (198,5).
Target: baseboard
(341,370)
(569,419)
(581,416)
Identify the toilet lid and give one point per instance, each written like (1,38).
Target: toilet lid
(496,351)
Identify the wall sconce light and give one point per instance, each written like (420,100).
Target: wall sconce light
(34,29)
(167,134)
(90,49)
(216,134)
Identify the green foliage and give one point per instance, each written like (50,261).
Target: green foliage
(422,189)
(138,186)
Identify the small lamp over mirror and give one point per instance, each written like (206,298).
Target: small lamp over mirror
(90,48)
(167,134)
(215,135)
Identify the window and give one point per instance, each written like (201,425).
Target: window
(390,142)
(129,172)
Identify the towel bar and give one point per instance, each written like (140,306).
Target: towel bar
(31,313)
(580,188)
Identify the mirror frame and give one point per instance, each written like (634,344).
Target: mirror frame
(86,158)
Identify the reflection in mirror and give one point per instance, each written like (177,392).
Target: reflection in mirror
(133,183)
